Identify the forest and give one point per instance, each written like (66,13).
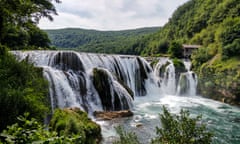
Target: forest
(98,41)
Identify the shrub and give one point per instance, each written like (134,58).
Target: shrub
(31,131)
(175,50)
(23,89)
(181,129)
(175,130)
(70,122)
(125,137)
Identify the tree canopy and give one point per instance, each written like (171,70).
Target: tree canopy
(19,18)
(99,41)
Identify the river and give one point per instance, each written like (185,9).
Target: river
(77,80)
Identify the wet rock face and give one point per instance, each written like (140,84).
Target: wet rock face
(140,77)
(101,83)
(112,99)
(67,60)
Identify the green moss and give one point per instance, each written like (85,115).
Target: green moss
(179,65)
(75,122)
(154,63)
(220,80)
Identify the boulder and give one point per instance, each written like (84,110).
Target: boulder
(109,115)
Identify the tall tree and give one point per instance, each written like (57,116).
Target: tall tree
(22,14)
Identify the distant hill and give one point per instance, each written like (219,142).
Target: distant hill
(98,41)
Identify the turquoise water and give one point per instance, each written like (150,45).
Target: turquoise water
(222,119)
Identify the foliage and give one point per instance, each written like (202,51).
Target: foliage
(175,50)
(125,137)
(99,41)
(18,22)
(229,36)
(181,129)
(220,79)
(23,89)
(200,56)
(31,131)
(70,122)
(195,22)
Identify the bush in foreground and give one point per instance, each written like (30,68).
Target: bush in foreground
(126,137)
(176,129)
(22,89)
(73,121)
(181,129)
(31,131)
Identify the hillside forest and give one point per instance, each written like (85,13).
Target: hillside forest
(95,41)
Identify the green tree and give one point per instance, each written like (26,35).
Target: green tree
(181,129)
(39,38)
(229,36)
(23,89)
(20,15)
(175,50)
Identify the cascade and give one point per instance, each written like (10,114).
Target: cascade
(99,82)
(187,84)
(173,84)
(92,82)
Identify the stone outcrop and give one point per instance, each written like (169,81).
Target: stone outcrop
(112,114)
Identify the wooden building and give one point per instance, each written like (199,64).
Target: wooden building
(188,49)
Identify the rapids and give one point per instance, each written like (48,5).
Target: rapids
(99,82)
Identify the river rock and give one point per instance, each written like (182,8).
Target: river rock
(109,115)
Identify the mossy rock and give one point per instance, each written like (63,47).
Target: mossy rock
(154,63)
(220,80)
(179,68)
(74,122)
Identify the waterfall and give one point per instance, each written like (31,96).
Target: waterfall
(172,84)
(92,82)
(99,82)
(187,84)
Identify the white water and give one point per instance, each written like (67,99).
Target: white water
(70,76)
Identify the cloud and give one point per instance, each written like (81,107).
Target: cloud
(112,14)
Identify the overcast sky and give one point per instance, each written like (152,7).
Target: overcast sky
(111,14)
